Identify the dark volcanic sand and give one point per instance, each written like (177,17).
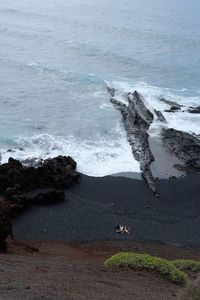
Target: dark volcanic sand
(93,208)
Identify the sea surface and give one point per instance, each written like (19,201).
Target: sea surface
(57,56)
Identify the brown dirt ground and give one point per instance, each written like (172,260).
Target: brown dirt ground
(66,271)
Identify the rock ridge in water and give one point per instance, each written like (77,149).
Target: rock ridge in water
(174,107)
(137,120)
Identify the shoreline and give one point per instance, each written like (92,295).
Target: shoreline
(94,207)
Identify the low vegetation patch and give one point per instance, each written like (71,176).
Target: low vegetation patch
(187,265)
(171,270)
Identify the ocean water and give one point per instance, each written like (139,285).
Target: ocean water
(57,56)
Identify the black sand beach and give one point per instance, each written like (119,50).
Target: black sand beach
(95,206)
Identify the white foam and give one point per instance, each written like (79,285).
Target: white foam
(94,158)
(179,120)
(106,106)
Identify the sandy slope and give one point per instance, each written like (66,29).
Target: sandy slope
(75,272)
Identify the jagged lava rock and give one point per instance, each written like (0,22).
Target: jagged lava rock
(184,145)
(17,179)
(137,119)
(59,172)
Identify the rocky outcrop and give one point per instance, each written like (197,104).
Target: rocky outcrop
(137,119)
(194,110)
(17,179)
(111,91)
(59,172)
(174,107)
(185,146)
(160,116)
(171,103)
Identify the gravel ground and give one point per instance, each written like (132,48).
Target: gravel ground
(63,271)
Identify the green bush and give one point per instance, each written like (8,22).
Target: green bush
(187,264)
(137,261)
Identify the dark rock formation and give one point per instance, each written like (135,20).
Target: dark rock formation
(50,197)
(137,119)
(174,107)
(17,179)
(160,116)
(173,104)
(194,110)
(185,146)
(5,223)
(111,91)
(59,172)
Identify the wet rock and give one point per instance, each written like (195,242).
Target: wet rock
(184,145)
(174,106)
(177,107)
(173,109)
(171,103)
(160,116)
(111,91)
(137,119)
(32,162)
(50,197)
(10,150)
(194,110)
(59,172)
(16,180)
(136,103)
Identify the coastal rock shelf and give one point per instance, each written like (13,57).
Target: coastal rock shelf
(17,181)
(137,121)
(174,107)
(185,146)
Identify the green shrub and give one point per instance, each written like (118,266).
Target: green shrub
(137,261)
(187,264)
